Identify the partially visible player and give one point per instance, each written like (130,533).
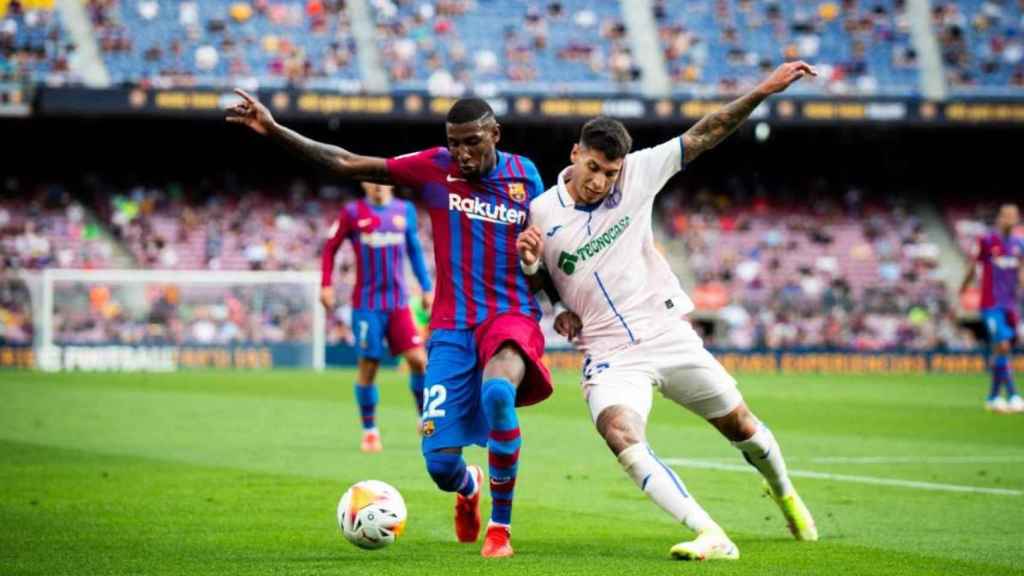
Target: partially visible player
(592,232)
(484,357)
(382,230)
(999,253)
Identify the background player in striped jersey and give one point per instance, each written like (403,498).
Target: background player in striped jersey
(382,230)
(485,345)
(592,230)
(999,254)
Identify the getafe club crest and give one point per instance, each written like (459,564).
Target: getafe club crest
(516,191)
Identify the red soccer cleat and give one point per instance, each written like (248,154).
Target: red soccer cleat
(467,510)
(371,442)
(496,543)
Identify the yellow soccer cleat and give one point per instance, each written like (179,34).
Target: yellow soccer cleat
(710,544)
(798,517)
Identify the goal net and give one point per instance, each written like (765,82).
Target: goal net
(164,320)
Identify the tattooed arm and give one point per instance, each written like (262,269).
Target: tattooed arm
(715,127)
(256,116)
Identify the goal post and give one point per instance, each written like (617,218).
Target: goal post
(165,320)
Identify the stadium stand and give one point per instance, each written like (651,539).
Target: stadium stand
(450,47)
(509,46)
(222,43)
(44,226)
(726,46)
(829,275)
(102,313)
(33,44)
(982,45)
(849,274)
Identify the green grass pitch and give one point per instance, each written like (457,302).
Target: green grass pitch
(240,473)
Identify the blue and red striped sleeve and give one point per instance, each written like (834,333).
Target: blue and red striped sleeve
(413,170)
(335,237)
(415,250)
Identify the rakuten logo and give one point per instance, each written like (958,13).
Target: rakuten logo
(474,209)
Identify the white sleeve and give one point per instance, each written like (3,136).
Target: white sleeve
(650,168)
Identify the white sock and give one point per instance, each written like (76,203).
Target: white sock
(763,452)
(663,486)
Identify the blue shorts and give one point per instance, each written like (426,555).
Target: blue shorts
(1000,324)
(375,329)
(452,414)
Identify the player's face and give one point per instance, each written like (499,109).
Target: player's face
(377,193)
(593,174)
(471,144)
(1009,216)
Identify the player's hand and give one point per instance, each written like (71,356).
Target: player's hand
(251,113)
(530,244)
(428,301)
(327,298)
(568,324)
(785,75)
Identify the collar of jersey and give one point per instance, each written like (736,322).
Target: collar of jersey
(563,193)
(566,199)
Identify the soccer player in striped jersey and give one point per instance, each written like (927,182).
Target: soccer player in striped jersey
(592,232)
(999,254)
(485,344)
(382,230)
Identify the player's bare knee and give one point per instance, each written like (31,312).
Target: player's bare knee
(367,371)
(506,363)
(417,360)
(738,425)
(620,427)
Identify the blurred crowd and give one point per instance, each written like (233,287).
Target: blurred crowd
(456,45)
(857,271)
(982,42)
(831,274)
(180,314)
(728,45)
(32,43)
(160,44)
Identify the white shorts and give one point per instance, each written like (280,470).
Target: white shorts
(675,362)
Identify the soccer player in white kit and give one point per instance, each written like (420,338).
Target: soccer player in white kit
(592,232)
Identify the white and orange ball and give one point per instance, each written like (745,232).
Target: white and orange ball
(371,514)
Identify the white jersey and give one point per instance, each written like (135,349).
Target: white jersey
(603,259)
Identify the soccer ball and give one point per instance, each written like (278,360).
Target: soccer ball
(371,514)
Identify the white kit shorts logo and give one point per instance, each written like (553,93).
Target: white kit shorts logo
(474,209)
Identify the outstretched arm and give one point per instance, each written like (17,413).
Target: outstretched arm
(250,112)
(717,126)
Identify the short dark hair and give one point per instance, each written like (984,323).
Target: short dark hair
(607,135)
(469,110)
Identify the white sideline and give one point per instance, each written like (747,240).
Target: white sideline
(933,486)
(894,460)
(916,459)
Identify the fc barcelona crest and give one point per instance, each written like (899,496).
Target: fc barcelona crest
(516,191)
(399,222)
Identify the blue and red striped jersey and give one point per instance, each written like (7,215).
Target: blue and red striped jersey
(381,237)
(1000,258)
(475,225)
